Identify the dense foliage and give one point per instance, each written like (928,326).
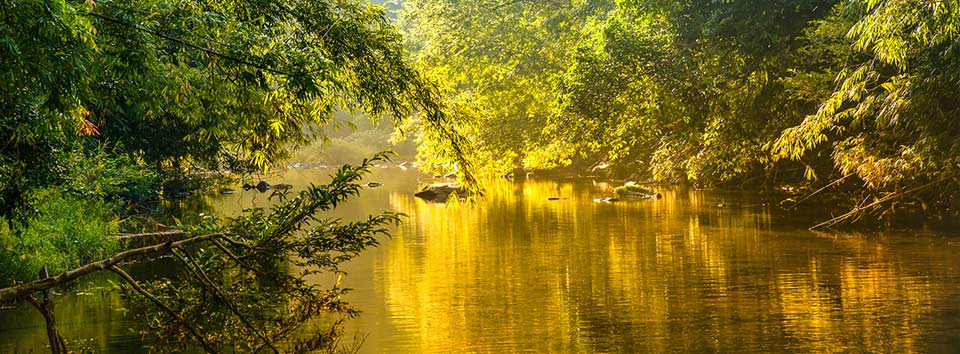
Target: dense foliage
(256,290)
(176,84)
(862,92)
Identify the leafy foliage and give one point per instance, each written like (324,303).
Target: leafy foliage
(496,60)
(714,92)
(176,84)
(45,49)
(255,292)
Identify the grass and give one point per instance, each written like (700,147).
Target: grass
(66,233)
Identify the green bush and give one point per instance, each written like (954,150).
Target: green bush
(98,174)
(66,232)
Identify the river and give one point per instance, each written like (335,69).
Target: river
(696,271)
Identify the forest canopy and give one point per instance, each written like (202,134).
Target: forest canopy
(857,94)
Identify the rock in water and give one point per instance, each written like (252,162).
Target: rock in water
(439,192)
(263,186)
(374,184)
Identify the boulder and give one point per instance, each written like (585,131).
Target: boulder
(439,192)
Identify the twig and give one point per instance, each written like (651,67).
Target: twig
(198,272)
(820,190)
(153,234)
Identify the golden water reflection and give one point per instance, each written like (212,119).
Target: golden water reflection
(697,271)
(519,273)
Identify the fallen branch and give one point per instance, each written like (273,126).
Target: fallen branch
(19,291)
(857,212)
(838,181)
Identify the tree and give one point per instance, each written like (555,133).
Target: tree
(45,48)
(211,84)
(686,89)
(497,60)
(891,119)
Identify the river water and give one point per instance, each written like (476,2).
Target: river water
(696,271)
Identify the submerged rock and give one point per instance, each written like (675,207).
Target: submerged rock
(633,190)
(639,195)
(282,186)
(439,192)
(260,187)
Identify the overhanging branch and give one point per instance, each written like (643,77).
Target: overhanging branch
(19,291)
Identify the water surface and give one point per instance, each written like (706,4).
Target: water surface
(697,271)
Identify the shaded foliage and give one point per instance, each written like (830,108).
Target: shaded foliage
(180,84)
(259,291)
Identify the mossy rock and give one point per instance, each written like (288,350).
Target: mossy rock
(635,191)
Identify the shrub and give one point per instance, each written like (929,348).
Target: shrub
(97,174)
(66,232)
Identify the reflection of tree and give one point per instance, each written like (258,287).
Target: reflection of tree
(517,272)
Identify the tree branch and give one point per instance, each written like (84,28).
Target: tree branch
(133,283)
(19,291)
(189,45)
(198,272)
(858,210)
(794,206)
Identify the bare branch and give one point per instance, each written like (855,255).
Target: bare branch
(820,190)
(857,212)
